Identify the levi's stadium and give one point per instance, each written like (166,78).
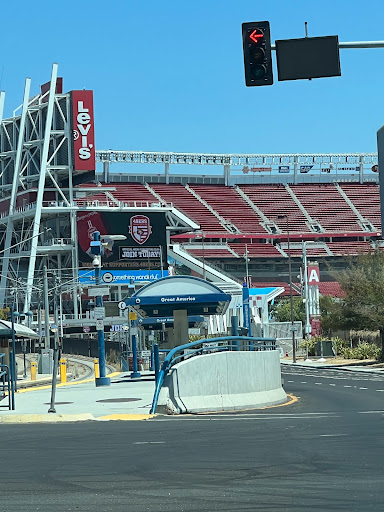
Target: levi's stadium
(218,216)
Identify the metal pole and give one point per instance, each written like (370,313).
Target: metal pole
(55,352)
(291,296)
(202,240)
(13,365)
(156,361)
(355,44)
(11,378)
(135,374)
(307,323)
(161,261)
(102,380)
(54,380)
(246,264)
(46,306)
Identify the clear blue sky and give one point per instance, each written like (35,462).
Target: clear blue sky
(168,76)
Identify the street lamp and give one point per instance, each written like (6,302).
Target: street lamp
(290,288)
(245,256)
(97,251)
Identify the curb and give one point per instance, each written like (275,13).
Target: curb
(69,418)
(344,367)
(45,418)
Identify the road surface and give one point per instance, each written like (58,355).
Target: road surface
(322,453)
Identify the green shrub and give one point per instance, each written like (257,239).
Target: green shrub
(362,351)
(338,344)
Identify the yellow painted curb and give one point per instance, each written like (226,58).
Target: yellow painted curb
(126,417)
(45,418)
(293,399)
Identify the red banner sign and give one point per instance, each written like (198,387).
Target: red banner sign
(84,152)
(313,275)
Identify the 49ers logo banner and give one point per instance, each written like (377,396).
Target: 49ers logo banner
(140,228)
(84,153)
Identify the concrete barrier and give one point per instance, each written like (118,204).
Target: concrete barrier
(223,381)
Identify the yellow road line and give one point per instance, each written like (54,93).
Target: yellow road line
(293,399)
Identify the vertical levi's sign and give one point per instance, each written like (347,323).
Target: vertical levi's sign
(84,153)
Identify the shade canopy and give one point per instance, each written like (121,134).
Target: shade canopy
(21,331)
(164,296)
(154,324)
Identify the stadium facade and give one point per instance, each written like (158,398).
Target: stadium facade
(202,214)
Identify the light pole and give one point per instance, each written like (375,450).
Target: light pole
(245,255)
(97,251)
(308,327)
(290,289)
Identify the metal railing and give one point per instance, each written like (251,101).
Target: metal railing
(5,385)
(230,343)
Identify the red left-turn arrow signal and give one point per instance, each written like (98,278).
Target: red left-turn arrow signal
(256,35)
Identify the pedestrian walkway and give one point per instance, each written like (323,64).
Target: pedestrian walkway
(365,367)
(125,398)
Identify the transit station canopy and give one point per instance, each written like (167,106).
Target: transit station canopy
(197,296)
(154,324)
(21,331)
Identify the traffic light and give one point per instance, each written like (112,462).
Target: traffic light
(257,53)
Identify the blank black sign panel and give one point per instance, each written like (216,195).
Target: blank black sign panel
(308,57)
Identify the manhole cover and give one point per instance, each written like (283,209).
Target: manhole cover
(58,403)
(110,400)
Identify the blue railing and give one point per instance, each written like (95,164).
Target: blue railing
(6,390)
(232,343)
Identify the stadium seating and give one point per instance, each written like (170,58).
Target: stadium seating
(326,205)
(231,206)
(366,198)
(192,207)
(275,200)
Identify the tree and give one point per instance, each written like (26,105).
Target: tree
(363,283)
(281,310)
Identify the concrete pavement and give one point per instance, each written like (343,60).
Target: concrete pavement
(124,399)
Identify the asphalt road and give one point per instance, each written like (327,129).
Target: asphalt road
(322,453)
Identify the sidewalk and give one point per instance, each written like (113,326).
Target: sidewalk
(124,399)
(364,366)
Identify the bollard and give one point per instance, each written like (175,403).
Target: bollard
(97,368)
(63,370)
(33,370)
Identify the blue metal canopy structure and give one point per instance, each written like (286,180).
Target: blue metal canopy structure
(195,295)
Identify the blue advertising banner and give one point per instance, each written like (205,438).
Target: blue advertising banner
(121,276)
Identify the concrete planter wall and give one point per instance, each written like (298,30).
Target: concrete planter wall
(223,381)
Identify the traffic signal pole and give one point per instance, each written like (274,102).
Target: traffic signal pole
(354,44)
